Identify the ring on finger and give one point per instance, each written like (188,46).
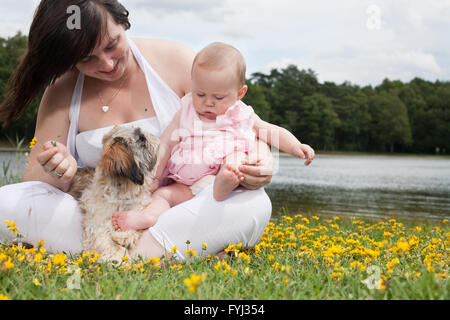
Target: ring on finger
(59,175)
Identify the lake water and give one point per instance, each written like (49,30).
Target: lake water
(373,186)
(376,186)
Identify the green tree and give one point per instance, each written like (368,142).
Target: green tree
(390,125)
(351,106)
(317,122)
(257,99)
(11,50)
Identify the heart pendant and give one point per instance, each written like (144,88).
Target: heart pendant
(105,108)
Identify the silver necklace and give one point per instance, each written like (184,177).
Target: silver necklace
(105,106)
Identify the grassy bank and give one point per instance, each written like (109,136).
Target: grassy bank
(299,257)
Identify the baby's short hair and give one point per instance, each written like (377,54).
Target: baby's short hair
(218,55)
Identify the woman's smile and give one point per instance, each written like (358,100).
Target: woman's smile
(113,71)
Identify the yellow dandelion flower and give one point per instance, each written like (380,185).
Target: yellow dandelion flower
(59,259)
(204,246)
(8,264)
(194,281)
(49,266)
(76,263)
(358,264)
(381,285)
(387,235)
(336,276)
(402,245)
(391,264)
(276,266)
(288,219)
(445,221)
(12,226)
(245,257)
(3,297)
(190,253)
(32,143)
(36,282)
(125,258)
(176,267)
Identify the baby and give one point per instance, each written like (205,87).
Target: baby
(209,137)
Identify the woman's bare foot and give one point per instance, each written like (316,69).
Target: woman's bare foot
(132,220)
(227,179)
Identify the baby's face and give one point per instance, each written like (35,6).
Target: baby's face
(214,91)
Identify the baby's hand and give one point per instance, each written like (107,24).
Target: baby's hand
(304,151)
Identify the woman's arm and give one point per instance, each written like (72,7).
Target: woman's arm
(53,125)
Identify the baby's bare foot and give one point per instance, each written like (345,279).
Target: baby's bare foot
(227,179)
(131,220)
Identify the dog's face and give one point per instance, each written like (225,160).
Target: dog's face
(128,153)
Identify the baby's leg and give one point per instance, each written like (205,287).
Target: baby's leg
(229,177)
(162,199)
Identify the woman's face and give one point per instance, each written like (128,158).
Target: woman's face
(110,59)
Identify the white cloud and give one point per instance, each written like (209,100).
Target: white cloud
(212,10)
(330,37)
(367,69)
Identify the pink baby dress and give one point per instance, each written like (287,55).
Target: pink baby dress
(204,145)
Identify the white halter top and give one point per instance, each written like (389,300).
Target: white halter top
(86,146)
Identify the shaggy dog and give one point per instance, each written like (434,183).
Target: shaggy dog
(120,182)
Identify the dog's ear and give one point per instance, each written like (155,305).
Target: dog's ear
(117,161)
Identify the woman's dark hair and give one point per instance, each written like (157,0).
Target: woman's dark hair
(54,48)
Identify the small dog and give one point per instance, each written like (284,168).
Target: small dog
(120,182)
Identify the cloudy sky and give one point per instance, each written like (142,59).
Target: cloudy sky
(358,41)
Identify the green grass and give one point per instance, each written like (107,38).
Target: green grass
(299,257)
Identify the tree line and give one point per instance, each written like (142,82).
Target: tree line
(394,116)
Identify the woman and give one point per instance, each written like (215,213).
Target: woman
(97,77)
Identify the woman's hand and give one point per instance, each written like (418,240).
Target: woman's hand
(57,161)
(258,168)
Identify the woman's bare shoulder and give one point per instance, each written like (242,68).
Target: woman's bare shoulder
(59,93)
(172,61)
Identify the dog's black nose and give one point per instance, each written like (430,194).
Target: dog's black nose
(141,139)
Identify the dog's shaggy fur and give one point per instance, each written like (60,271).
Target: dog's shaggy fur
(120,182)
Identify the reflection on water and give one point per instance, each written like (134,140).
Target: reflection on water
(411,187)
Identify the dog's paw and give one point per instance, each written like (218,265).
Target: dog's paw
(125,239)
(120,238)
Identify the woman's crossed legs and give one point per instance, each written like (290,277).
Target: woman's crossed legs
(227,179)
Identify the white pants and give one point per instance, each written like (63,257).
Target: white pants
(42,211)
